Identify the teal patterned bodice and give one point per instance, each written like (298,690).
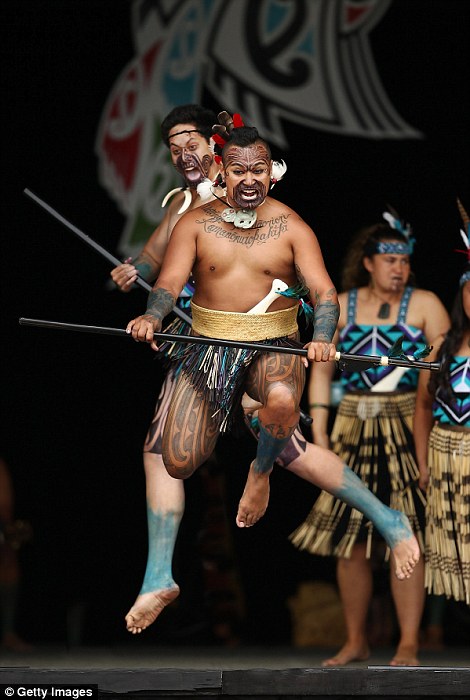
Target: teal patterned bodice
(377,340)
(456,411)
(184,299)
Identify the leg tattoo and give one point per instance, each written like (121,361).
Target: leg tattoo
(393,525)
(269,448)
(276,381)
(162,531)
(190,432)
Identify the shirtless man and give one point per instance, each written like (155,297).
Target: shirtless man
(186,130)
(234,266)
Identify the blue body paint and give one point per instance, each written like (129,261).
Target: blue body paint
(392,524)
(269,448)
(162,531)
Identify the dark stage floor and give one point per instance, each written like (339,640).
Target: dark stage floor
(216,657)
(251,672)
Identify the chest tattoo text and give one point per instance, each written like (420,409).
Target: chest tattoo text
(261,233)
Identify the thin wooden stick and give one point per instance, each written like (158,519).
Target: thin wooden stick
(96,246)
(371,360)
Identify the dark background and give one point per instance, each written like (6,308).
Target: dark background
(76,407)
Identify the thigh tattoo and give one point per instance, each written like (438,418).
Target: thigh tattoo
(271,369)
(190,432)
(153,440)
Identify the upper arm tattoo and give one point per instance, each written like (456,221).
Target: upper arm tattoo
(302,281)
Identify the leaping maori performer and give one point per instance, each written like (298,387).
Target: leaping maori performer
(235,246)
(313,463)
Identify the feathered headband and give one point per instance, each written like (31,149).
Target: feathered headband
(392,247)
(394,221)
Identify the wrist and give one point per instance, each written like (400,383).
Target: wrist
(160,303)
(322,338)
(325,321)
(145,270)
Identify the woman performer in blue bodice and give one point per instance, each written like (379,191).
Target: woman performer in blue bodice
(372,432)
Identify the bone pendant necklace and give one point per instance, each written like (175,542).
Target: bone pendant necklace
(241,218)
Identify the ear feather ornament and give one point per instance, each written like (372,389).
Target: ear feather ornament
(278,171)
(205,188)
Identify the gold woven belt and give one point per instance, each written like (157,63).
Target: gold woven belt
(226,325)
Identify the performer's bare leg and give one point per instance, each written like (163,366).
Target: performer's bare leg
(409,598)
(327,471)
(165,503)
(190,433)
(165,507)
(276,381)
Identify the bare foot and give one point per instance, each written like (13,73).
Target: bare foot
(404,546)
(405,656)
(148,607)
(348,653)
(254,500)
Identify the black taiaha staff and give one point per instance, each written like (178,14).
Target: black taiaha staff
(96,246)
(345,359)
